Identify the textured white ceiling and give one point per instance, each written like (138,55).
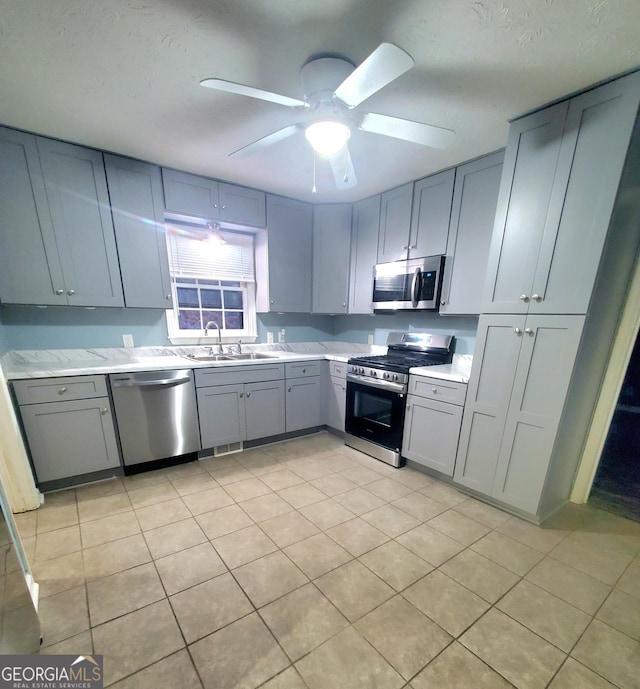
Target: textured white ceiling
(122,75)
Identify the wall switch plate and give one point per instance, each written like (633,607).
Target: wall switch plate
(127,340)
(370,339)
(269,337)
(281,335)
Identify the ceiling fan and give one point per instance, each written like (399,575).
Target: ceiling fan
(332,88)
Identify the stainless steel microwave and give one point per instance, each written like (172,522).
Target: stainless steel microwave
(411,285)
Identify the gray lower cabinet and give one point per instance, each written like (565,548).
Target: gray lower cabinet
(331,245)
(135,190)
(69,427)
(304,403)
(472,217)
(519,383)
(364,253)
(335,394)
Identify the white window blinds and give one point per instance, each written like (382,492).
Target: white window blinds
(191,257)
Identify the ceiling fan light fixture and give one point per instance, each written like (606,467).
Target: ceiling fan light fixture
(327,136)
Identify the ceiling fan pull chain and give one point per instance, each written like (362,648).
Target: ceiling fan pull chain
(313,188)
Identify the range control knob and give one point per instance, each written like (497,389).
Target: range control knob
(374,374)
(395,376)
(385,375)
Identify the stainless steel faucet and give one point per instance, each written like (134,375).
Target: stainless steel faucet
(213,324)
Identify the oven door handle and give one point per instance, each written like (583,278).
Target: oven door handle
(415,287)
(377,383)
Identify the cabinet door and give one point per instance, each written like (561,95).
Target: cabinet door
(547,356)
(221,415)
(522,213)
(70,438)
(241,205)
(594,148)
(289,246)
(135,190)
(472,218)
(264,409)
(331,244)
(303,403)
(364,253)
(431,432)
(430,215)
(30,271)
(336,402)
(76,187)
(488,394)
(190,194)
(395,223)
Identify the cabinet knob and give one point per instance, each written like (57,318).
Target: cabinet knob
(289,389)
(271,301)
(404,248)
(59,292)
(248,394)
(242,394)
(344,303)
(215,205)
(529,331)
(104,411)
(304,370)
(223,207)
(536,297)
(168,297)
(517,331)
(71,292)
(434,391)
(524,298)
(443,303)
(413,246)
(62,391)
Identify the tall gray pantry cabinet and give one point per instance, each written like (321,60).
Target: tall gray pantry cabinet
(562,175)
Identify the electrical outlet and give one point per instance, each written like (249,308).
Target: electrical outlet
(370,339)
(127,340)
(269,337)
(281,335)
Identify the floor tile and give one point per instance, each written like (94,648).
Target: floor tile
(104,506)
(420,506)
(108,529)
(483,513)
(247,488)
(457,668)
(167,512)
(58,498)
(388,489)
(243,654)
(189,567)
(26,523)
(459,527)
(265,507)
(357,536)
(100,489)
(516,653)
(289,679)
(539,537)
(59,573)
(189,485)
(288,528)
(302,620)
(441,492)
(172,538)
(269,578)
(311,470)
(115,556)
(57,543)
(301,495)
(347,660)
(359,501)
(282,478)
(208,500)
(118,594)
(622,612)
(74,645)
(483,577)
(333,484)
(243,546)
(227,475)
(514,556)
(396,565)
(58,517)
(412,478)
(430,544)
(142,480)
(570,584)
(223,521)
(152,495)
(573,675)
(209,606)
(354,589)
(173,671)
(326,513)
(446,602)
(391,520)
(136,640)
(63,615)
(184,469)
(361,475)
(611,654)
(548,616)
(405,637)
(629,582)
(317,555)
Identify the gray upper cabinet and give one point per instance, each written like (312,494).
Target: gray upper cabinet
(206,198)
(76,188)
(331,246)
(135,190)
(430,215)
(30,270)
(472,217)
(283,257)
(395,223)
(364,253)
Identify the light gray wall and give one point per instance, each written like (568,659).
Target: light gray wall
(4,343)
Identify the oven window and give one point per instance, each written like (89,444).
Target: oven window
(375,409)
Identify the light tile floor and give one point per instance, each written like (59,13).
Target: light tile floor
(308,564)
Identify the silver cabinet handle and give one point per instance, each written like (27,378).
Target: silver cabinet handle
(443,303)
(242,394)
(344,303)
(104,411)
(71,292)
(62,391)
(215,205)
(223,207)
(248,394)
(517,331)
(168,297)
(59,292)
(536,297)
(524,298)
(271,302)
(529,331)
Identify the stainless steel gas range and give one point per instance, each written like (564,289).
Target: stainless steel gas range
(377,388)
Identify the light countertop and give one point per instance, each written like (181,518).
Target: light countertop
(457,371)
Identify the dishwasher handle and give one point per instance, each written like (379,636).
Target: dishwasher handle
(134,383)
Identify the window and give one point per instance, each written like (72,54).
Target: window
(212,278)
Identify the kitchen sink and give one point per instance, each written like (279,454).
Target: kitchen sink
(230,357)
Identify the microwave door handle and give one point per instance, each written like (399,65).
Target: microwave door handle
(415,287)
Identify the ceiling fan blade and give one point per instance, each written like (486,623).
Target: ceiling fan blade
(242,90)
(418,133)
(267,140)
(386,63)
(342,168)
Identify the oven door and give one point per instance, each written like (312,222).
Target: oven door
(375,413)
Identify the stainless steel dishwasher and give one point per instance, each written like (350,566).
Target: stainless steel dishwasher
(156,414)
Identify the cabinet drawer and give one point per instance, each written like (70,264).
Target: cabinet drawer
(303,369)
(234,375)
(437,389)
(337,369)
(40,390)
